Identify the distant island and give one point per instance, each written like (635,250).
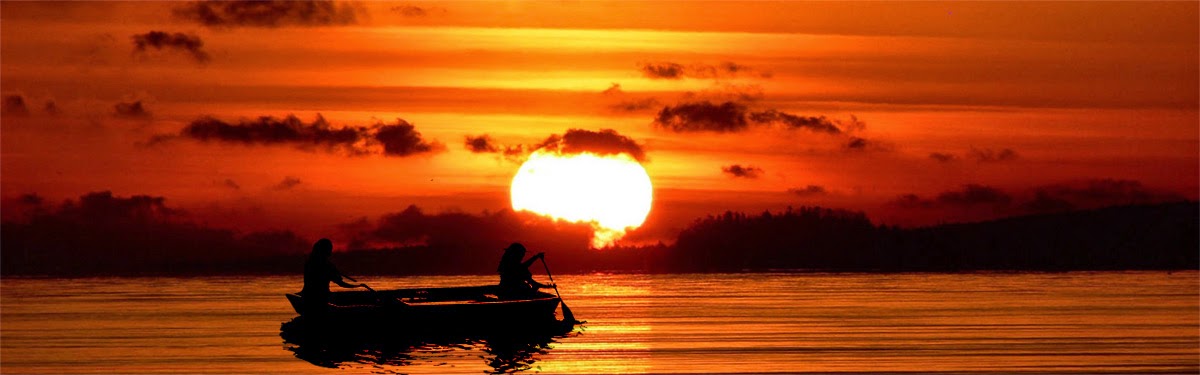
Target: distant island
(1164,236)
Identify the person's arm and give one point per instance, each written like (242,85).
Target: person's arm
(532,259)
(336,277)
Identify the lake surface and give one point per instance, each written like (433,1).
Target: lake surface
(1085,322)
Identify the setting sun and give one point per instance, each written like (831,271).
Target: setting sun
(612,192)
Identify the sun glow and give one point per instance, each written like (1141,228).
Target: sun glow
(611,192)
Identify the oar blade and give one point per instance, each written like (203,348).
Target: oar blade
(568,316)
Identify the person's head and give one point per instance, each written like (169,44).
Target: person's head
(512,255)
(323,248)
(516,248)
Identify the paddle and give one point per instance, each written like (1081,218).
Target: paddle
(568,316)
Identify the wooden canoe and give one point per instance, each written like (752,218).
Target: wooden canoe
(424,306)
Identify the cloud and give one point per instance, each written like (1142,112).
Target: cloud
(481,144)
(911,201)
(663,70)
(603,142)
(288,183)
(942,157)
(445,231)
(31,199)
(856,143)
(973,194)
(160,40)
(732,116)
(615,89)
(399,139)
(988,155)
(132,110)
(809,190)
(727,117)
(970,195)
(14,105)
(635,105)
(1094,193)
(671,70)
(51,108)
(738,170)
(229,183)
(277,13)
(402,139)
(484,144)
(268,130)
(979,202)
(416,11)
(628,105)
(819,124)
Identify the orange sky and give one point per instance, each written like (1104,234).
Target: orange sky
(1017,97)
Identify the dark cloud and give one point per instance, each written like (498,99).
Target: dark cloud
(615,89)
(15,105)
(278,13)
(603,142)
(267,130)
(484,144)
(973,194)
(402,139)
(456,232)
(623,104)
(663,70)
(416,11)
(987,155)
(819,124)
(231,184)
(857,143)
(635,105)
(1045,202)
(732,116)
(1095,193)
(970,195)
(911,201)
(133,110)
(481,144)
(726,117)
(809,190)
(31,199)
(942,157)
(288,183)
(1062,197)
(51,108)
(139,234)
(399,139)
(671,70)
(740,171)
(160,40)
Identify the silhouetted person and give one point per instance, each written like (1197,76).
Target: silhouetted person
(515,278)
(318,272)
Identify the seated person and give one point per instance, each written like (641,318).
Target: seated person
(318,272)
(515,278)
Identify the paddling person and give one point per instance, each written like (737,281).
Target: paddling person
(515,278)
(318,272)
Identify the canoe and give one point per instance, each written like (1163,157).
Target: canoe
(482,305)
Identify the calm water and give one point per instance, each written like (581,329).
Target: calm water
(739,323)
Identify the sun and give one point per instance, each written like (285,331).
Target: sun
(611,192)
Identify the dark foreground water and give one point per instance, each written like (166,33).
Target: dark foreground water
(1139,322)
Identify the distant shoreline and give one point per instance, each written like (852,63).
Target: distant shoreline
(1157,237)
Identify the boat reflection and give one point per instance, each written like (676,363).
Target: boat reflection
(505,350)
